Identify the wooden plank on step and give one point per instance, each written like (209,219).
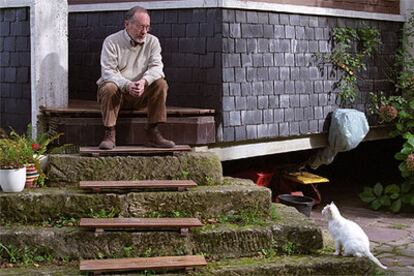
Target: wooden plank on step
(139,223)
(151,263)
(80,107)
(180,185)
(132,150)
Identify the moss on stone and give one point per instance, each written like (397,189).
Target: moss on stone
(37,205)
(202,202)
(292,265)
(50,203)
(224,241)
(203,168)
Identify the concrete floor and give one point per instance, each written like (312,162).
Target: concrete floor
(391,235)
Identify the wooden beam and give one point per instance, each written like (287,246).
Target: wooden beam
(97,186)
(315,141)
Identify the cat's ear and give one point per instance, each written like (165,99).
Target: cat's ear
(332,203)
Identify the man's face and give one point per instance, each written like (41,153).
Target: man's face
(138,26)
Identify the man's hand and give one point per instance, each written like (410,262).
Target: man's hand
(136,89)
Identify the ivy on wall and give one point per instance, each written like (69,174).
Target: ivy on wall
(351,50)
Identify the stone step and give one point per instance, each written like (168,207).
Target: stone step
(134,264)
(279,265)
(291,232)
(203,168)
(50,204)
(292,265)
(122,186)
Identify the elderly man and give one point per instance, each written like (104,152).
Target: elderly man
(132,77)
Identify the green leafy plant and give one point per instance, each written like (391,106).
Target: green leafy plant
(127,250)
(289,248)
(25,256)
(147,272)
(41,143)
(148,253)
(268,253)
(61,221)
(397,109)
(209,180)
(244,217)
(124,252)
(183,175)
(349,61)
(377,197)
(406,155)
(168,214)
(17,151)
(14,154)
(274,214)
(103,213)
(387,107)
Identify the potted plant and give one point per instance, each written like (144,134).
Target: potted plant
(37,160)
(14,154)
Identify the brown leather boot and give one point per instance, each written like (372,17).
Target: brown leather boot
(155,139)
(108,141)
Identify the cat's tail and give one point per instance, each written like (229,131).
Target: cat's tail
(375,260)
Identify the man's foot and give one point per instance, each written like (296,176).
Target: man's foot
(108,141)
(155,139)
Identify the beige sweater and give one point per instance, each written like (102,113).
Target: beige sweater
(122,63)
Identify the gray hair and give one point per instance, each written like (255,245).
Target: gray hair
(130,14)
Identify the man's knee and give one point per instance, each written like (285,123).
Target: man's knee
(108,89)
(161,84)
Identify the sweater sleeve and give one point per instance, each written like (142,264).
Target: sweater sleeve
(110,66)
(155,66)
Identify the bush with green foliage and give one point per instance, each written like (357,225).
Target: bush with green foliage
(398,110)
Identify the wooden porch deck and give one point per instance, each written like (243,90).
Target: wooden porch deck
(81,124)
(83,108)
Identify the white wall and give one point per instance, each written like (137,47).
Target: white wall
(49,52)
(406,8)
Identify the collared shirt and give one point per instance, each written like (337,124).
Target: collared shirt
(123,60)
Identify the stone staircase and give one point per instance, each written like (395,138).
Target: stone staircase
(243,232)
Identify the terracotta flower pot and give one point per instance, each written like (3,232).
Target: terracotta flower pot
(31,175)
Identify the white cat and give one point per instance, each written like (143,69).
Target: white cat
(348,235)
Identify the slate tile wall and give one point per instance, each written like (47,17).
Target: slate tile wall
(255,68)
(87,31)
(15,96)
(271,84)
(191,51)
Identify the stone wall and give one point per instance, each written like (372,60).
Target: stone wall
(15,94)
(254,67)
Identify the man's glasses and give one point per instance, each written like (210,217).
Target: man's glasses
(142,27)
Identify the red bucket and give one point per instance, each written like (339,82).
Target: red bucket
(260,178)
(264,178)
